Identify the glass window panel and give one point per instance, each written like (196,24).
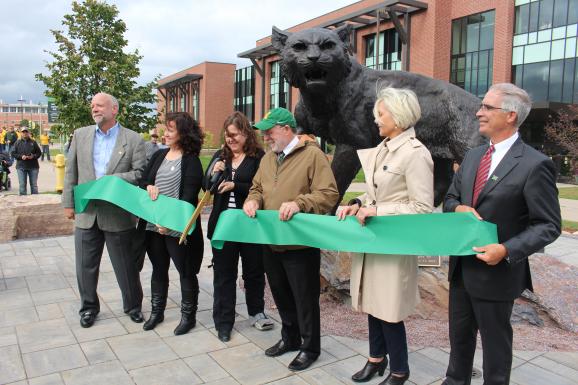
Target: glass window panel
(522,19)
(568,82)
(534,7)
(570,47)
(545,35)
(517,75)
(523,38)
(556,73)
(518,55)
(560,12)
(537,52)
(558,33)
(571,30)
(520,2)
(546,13)
(463,34)
(532,37)
(487,31)
(575,99)
(535,77)
(474,82)
(573,12)
(483,59)
(557,49)
(473,34)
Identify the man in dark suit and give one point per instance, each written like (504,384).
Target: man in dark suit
(514,186)
(106,148)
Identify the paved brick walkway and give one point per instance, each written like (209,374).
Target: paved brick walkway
(41,341)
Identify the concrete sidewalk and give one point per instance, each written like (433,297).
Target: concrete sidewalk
(41,341)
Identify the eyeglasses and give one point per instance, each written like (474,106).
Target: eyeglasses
(487,107)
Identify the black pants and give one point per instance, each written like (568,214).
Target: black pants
(187,257)
(467,315)
(89,244)
(225,263)
(294,280)
(45,150)
(388,338)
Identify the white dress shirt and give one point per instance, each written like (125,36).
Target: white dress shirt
(500,150)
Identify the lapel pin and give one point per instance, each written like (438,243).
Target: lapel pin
(494,178)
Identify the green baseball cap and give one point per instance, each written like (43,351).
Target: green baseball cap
(277,116)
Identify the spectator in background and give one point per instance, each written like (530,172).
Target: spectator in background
(45,143)
(26,152)
(2,140)
(10,139)
(152,146)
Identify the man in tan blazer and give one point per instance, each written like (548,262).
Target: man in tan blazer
(106,148)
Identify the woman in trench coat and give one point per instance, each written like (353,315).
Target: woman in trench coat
(399,178)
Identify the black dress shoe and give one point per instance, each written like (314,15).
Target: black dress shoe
(224,335)
(136,316)
(394,380)
(87,318)
(280,348)
(302,361)
(369,370)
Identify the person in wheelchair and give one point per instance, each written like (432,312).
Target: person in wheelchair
(5,163)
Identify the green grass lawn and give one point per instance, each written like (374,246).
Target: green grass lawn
(569,225)
(360,177)
(349,196)
(569,193)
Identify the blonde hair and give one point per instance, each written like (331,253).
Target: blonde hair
(401,103)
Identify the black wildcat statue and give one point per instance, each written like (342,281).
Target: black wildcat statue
(338,94)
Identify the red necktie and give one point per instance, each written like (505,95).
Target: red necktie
(482,174)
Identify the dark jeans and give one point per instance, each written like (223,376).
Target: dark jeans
(187,257)
(225,264)
(294,280)
(467,315)
(28,174)
(388,338)
(45,150)
(89,244)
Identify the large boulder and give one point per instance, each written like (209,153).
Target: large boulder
(32,216)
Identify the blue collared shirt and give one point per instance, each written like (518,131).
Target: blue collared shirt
(102,150)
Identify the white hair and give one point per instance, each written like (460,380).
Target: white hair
(514,99)
(112,99)
(401,103)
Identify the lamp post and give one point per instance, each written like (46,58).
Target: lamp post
(21,100)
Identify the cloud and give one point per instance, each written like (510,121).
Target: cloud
(171,35)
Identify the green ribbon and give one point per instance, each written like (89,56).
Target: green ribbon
(420,234)
(168,212)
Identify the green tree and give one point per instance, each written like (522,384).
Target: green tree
(91,59)
(24,123)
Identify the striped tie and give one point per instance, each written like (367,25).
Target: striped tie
(280,157)
(482,174)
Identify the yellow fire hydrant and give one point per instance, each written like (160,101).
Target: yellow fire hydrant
(59,163)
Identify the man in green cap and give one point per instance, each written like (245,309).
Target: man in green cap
(294,177)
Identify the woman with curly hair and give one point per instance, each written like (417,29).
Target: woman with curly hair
(175,172)
(239,160)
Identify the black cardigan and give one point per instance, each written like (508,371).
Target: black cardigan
(243,181)
(191,177)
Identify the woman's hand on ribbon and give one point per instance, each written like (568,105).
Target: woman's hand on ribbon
(365,212)
(344,211)
(162,230)
(153,192)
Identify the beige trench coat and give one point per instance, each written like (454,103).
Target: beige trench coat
(399,178)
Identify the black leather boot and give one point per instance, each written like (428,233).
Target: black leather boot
(159,292)
(189,302)
(369,370)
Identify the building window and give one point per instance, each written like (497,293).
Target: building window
(473,52)
(195,92)
(545,49)
(279,88)
(245,91)
(389,50)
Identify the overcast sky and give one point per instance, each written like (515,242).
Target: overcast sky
(171,34)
